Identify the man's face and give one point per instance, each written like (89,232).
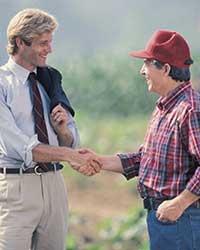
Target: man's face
(35,55)
(153,75)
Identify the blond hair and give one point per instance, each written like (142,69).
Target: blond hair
(27,25)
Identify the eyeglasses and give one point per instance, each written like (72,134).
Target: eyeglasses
(149,61)
(157,63)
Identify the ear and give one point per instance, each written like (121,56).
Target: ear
(19,42)
(166,69)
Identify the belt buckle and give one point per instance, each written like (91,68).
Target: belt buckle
(35,170)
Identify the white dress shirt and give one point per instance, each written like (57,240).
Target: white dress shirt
(17,135)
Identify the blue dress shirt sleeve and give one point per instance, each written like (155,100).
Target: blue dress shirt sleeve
(14,144)
(71,125)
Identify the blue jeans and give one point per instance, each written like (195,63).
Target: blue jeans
(181,235)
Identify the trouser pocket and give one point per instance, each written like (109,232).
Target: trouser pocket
(195,227)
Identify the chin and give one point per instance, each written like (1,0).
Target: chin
(42,65)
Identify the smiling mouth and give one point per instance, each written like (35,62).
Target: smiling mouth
(44,57)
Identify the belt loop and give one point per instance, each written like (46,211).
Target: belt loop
(54,165)
(20,171)
(4,171)
(198,204)
(151,203)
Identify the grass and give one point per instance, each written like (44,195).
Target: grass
(111,134)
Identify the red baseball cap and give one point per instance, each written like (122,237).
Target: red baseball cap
(168,47)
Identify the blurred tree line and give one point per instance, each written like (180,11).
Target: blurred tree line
(105,85)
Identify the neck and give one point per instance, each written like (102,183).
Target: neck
(170,86)
(20,61)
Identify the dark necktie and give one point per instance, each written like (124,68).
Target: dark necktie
(40,126)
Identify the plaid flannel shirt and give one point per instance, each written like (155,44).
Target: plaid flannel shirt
(169,160)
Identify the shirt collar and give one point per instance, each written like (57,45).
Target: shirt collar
(20,72)
(170,100)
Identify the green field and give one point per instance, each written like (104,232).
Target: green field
(108,135)
(111,134)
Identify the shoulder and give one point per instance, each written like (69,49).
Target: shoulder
(190,106)
(52,69)
(6,75)
(54,72)
(48,71)
(194,100)
(5,71)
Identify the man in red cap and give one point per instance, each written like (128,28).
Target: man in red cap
(168,163)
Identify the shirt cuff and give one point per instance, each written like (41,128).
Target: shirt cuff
(130,166)
(28,156)
(194,184)
(74,130)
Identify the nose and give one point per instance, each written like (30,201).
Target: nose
(142,70)
(49,48)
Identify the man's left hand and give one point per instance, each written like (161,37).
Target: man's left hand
(169,211)
(59,118)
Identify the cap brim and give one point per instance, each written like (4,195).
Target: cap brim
(140,54)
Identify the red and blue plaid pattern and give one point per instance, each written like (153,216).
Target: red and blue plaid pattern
(169,160)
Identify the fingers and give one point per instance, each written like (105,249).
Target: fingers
(168,212)
(91,168)
(58,108)
(89,162)
(85,150)
(95,165)
(162,219)
(89,171)
(59,114)
(90,156)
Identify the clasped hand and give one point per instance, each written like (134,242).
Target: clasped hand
(169,211)
(88,162)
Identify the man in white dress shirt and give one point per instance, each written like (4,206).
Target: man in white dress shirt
(33,201)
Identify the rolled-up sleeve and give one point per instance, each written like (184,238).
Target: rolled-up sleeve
(71,125)
(131,163)
(14,144)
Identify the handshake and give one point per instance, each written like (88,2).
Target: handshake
(86,162)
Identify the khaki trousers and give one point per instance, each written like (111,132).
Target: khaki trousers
(33,212)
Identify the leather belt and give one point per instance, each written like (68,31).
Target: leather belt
(35,170)
(153,203)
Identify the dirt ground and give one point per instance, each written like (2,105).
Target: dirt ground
(105,195)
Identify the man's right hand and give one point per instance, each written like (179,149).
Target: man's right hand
(91,163)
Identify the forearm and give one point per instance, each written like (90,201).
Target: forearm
(65,139)
(111,163)
(171,210)
(186,198)
(46,153)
